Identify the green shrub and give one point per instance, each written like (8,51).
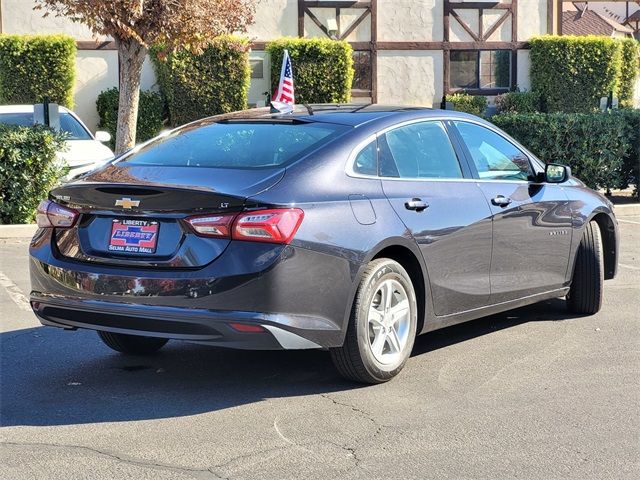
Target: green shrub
(629,68)
(28,169)
(629,173)
(593,145)
(32,67)
(571,74)
(150,114)
(198,86)
(518,102)
(463,102)
(322,68)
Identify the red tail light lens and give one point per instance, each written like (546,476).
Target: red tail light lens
(52,215)
(272,226)
(218,226)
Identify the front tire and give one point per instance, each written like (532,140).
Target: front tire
(382,327)
(132,344)
(587,284)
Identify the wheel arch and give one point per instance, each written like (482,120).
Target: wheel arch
(608,232)
(407,254)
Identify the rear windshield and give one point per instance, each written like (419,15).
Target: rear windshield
(236,145)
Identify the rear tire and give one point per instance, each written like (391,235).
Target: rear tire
(132,344)
(382,327)
(585,294)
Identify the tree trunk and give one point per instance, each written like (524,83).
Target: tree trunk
(131,56)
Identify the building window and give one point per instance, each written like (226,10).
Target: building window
(257,67)
(480,69)
(362,67)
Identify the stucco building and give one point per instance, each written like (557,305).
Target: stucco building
(405,51)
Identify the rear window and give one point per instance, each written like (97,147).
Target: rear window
(236,145)
(68,124)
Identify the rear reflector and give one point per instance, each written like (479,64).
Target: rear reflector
(277,225)
(273,226)
(246,328)
(49,215)
(212,225)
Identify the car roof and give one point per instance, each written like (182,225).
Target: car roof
(25,109)
(353,115)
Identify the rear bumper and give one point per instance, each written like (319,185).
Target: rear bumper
(300,297)
(198,325)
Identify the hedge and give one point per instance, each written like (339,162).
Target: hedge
(32,67)
(150,114)
(322,68)
(463,102)
(573,73)
(518,102)
(629,68)
(630,173)
(198,86)
(598,146)
(28,169)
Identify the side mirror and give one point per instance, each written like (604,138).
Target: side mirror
(103,136)
(556,173)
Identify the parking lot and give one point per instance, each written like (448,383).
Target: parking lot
(531,394)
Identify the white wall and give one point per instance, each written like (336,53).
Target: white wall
(410,77)
(409,20)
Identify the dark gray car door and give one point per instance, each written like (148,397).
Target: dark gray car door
(446,213)
(532,223)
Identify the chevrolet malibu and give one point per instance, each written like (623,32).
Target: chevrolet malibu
(346,228)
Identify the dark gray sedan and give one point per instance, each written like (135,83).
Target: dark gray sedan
(346,228)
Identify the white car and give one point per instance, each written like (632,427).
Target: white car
(84,150)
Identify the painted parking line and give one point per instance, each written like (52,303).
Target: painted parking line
(15,293)
(628,221)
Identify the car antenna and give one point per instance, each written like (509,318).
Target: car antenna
(308,107)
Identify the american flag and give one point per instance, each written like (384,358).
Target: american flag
(284,93)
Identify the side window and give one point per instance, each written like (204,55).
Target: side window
(419,150)
(494,157)
(366,162)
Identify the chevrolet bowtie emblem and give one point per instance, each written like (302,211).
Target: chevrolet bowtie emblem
(127,203)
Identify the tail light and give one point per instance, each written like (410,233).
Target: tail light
(51,215)
(212,225)
(277,225)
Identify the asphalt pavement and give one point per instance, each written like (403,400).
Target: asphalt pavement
(534,393)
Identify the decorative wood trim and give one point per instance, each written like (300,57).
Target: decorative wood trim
(315,20)
(559,17)
(374,50)
(550,17)
(464,25)
(514,20)
(336,4)
(360,93)
(96,45)
(301,18)
(354,25)
(0,16)
(453,45)
(480,24)
(514,68)
(496,25)
(480,5)
(477,91)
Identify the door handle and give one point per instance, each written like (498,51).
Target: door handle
(416,204)
(501,201)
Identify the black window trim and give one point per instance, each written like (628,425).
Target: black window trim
(536,168)
(463,159)
(478,90)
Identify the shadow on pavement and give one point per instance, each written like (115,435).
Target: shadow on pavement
(52,377)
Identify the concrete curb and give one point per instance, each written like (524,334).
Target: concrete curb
(18,231)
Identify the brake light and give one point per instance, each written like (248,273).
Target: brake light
(218,226)
(272,226)
(51,215)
